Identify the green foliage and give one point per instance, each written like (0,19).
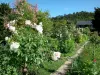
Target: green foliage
(80,67)
(76,16)
(20,21)
(6,59)
(23,8)
(96,21)
(5,10)
(86,31)
(60,29)
(53,44)
(50,67)
(33,48)
(69,46)
(80,37)
(95,38)
(47,23)
(88,62)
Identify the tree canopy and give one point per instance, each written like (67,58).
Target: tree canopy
(76,16)
(96,21)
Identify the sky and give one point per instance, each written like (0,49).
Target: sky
(61,7)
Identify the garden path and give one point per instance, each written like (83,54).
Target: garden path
(64,68)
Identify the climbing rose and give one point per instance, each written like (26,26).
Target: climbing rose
(14,46)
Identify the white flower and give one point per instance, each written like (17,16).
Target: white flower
(12,22)
(14,46)
(7,25)
(6,38)
(39,28)
(12,28)
(40,23)
(28,22)
(56,56)
(35,24)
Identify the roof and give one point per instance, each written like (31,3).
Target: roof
(84,23)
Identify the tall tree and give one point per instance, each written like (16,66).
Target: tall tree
(5,10)
(96,21)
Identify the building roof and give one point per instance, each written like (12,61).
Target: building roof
(84,23)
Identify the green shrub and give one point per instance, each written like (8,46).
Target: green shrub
(78,38)
(33,48)
(20,21)
(53,44)
(69,45)
(95,38)
(88,62)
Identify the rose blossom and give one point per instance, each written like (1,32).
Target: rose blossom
(14,46)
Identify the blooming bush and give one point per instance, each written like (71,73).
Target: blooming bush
(25,47)
(29,48)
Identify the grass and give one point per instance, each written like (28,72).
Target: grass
(91,52)
(51,66)
(85,63)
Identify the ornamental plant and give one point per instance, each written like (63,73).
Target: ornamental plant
(24,47)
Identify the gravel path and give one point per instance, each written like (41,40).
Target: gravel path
(63,69)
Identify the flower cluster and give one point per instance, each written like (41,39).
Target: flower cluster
(11,26)
(39,27)
(28,22)
(14,46)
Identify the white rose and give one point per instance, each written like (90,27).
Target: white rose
(6,38)
(56,55)
(40,23)
(28,22)
(12,22)
(12,28)
(39,28)
(14,46)
(35,24)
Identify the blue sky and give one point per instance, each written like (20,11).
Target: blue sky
(61,7)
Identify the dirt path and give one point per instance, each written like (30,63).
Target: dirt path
(63,69)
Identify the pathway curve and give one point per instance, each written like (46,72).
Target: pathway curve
(63,69)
